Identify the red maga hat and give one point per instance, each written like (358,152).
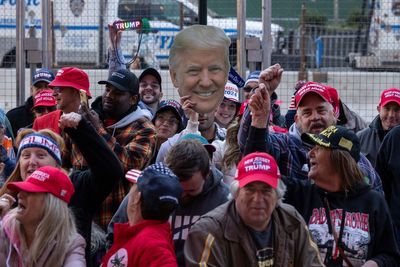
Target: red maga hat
(390,95)
(46,180)
(45,98)
(258,167)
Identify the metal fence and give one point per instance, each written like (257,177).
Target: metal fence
(351,45)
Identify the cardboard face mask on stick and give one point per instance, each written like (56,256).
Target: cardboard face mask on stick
(199,65)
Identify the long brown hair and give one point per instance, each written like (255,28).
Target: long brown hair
(232,155)
(348,169)
(15,176)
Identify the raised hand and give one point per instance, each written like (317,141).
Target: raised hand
(271,77)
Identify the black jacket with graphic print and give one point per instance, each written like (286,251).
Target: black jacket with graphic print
(367,228)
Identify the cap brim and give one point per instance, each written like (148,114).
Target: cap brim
(308,92)
(116,85)
(66,84)
(42,80)
(314,139)
(44,105)
(27,187)
(263,178)
(165,108)
(384,103)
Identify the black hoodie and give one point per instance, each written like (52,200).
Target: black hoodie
(365,234)
(388,167)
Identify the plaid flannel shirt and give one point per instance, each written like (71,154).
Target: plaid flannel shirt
(134,146)
(291,153)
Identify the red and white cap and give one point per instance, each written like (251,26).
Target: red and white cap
(258,167)
(312,87)
(45,98)
(231,92)
(390,95)
(133,175)
(72,77)
(46,180)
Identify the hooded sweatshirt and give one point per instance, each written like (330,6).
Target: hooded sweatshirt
(361,218)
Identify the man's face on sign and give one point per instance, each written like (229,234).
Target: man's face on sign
(201,74)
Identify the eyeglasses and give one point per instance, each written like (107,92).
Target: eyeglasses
(154,86)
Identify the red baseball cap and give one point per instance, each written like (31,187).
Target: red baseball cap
(46,180)
(243,107)
(390,95)
(335,100)
(313,87)
(72,77)
(45,98)
(258,167)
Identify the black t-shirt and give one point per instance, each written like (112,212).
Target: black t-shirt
(264,244)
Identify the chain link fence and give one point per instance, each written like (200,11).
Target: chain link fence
(351,45)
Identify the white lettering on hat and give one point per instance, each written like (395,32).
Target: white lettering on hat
(42,142)
(119,75)
(42,74)
(169,198)
(60,72)
(39,175)
(257,163)
(63,192)
(255,167)
(392,94)
(310,87)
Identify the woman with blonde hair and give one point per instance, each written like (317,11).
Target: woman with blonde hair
(92,186)
(41,230)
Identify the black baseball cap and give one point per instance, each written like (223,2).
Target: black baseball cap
(152,72)
(336,137)
(123,80)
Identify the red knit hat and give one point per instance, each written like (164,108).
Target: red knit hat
(46,180)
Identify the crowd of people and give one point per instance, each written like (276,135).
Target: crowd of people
(138,180)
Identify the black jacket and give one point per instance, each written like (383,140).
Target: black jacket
(22,116)
(93,185)
(388,167)
(371,139)
(367,228)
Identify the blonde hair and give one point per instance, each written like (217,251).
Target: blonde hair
(15,176)
(57,224)
(199,37)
